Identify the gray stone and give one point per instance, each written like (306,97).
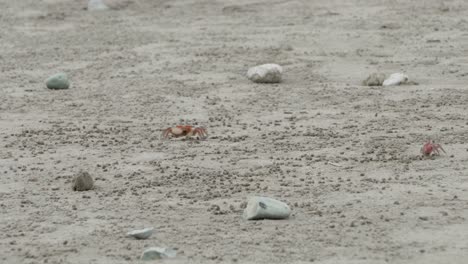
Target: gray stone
(158,253)
(266,208)
(141,234)
(58,81)
(82,182)
(375,79)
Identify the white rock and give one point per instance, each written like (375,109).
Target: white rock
(97,5)
(266,73)
(141,234)
(158,253)
(396,79)
(266,208)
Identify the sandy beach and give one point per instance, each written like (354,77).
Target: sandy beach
(345,157)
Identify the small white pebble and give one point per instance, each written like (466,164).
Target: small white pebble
(97,5)
(396,79)
(266,73)
(158,253)
(141,234)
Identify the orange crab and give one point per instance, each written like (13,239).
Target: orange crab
(188,131)
(431,148)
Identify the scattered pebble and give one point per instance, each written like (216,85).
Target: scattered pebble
(266,208)
(82,182)
(158,253)
(102,5)
(58,81)
(396,79)
(97,5)
(375,79)
(266,73)
(141,234)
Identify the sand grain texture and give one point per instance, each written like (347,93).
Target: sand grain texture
(345,157)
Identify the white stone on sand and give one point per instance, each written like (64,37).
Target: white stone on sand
(100,5)
(141,233)
(266,208)
(158,253)
(396,79)
(97,5)
(266,73)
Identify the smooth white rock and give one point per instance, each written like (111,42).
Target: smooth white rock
(158,253)
(266,208)
(396,79)
(266,73)
(97,5)
(142,233)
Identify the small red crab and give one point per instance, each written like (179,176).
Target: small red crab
(431,148)
(188,131)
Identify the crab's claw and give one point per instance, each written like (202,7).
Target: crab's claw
(439,146)
(166,132)
(201,132)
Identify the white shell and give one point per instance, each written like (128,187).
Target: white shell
(141,234)
(266,73)
(96,5)
(266,208)
(396,79)
(158,253)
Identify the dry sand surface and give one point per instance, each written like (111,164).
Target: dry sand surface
(156,64)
